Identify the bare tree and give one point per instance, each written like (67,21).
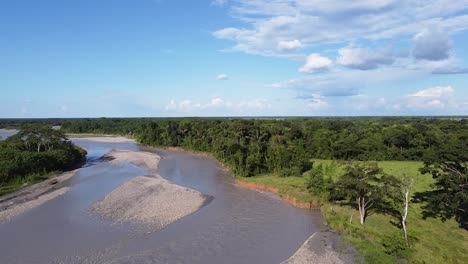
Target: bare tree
(407,185)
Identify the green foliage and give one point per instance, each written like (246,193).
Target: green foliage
(283,146)
(449,168)
(316,182)
(365,186)
(36,150)
(394,244)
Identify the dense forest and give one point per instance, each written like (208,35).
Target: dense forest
(256,146)
(34,151)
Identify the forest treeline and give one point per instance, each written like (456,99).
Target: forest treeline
(286,146)
(34,151)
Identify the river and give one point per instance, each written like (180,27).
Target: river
(239,225)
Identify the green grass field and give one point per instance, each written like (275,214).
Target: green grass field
(437,242)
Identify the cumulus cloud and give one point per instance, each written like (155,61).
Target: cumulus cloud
(363,58)
(339,83)
(432,45)
(319,22)
(434,97)
(222,77)
(286,45)
(435,92)
(316,63)
(216,103)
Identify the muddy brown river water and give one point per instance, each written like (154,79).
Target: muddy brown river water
(238,225)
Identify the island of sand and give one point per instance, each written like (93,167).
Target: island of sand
(150,200)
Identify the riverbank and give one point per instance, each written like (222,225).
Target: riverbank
(324,247)
(19,202)
(294,201)
(102,138)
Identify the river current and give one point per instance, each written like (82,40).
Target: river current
(238,225)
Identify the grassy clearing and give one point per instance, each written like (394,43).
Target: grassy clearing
(19,183)
(294,187)
(437,242)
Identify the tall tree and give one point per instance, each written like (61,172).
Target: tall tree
(364,185)
(449,168)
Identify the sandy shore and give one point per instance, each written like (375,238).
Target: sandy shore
(32,196)
(9,213)
(324,248)
(150,200)
(142,159)
(102,138)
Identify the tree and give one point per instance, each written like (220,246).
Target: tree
(315,181)
(449,168)
(406,189)
(364,184)
(399,193)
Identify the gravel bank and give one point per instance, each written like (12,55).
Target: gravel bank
(324,248)
(150,200)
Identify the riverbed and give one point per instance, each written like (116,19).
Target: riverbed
(237,225)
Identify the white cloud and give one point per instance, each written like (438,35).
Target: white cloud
(430,98)
(257,103)
(172,105)
(286,45)
(185,105)
(339,83)
(316,63)
(363,58)
(319,22)
(217,101)
(222,77)
(317,102)
(431,44)
(437,92)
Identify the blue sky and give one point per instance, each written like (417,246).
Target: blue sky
(94,58)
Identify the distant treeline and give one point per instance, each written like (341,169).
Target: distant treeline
(35,150)
(285,146)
